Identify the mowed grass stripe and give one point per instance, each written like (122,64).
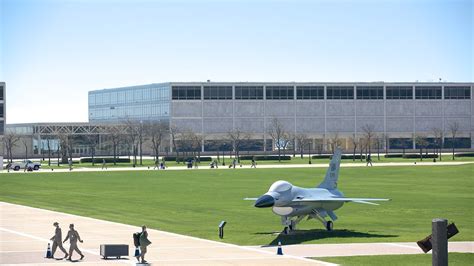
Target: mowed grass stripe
(194,202)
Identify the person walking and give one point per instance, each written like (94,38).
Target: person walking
(234,162)
(144,243)
(70,164)
(104,165)
(57,241)
(73,236)
(254,164)
(369,160)
(157,164)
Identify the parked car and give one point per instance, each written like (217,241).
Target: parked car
(25,164)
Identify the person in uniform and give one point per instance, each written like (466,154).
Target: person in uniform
(57,241)
(144,242)
(73,236)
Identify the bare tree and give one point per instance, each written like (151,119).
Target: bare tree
(24,141)
(454,130)
(302,141)
(278,135)
(421,142)
(10,140)
(438,140)
(92,142)
(236,138)
(65,146)
(369,133)
(335,141)
(135,138)
(48,145)
(355,142)
(156,131)
(174,132)
(115,134)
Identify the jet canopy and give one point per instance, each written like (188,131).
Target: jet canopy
(280,186)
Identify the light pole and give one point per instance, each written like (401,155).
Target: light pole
(309,152)
(223,155)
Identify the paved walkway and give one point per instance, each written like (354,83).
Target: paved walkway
(264,166)
(25,232)
(362,249)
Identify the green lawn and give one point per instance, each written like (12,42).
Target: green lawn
(399,260)
(194,202)
(294,160)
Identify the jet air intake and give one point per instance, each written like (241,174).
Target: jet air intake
(265,201)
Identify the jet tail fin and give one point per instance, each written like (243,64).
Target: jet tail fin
(332,174)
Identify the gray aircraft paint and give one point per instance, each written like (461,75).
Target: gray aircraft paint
(290,201)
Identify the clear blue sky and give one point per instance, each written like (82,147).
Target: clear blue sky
(53,52)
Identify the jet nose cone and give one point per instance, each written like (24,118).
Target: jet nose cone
(265,201)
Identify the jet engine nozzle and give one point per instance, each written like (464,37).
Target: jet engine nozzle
(265,201)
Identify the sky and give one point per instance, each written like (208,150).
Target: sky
(53,52)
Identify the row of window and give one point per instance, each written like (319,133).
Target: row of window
(317,92)
(1,93)
(129,96)
(133,111)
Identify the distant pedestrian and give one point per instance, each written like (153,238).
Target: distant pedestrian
(195,163)
(369,160)
(57,241)
(73,236)
(9,165)
(70,164)
(144,243)
(254,164)
(157,164)
(104,165)
(234,162)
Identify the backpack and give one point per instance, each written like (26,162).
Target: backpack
(136,239)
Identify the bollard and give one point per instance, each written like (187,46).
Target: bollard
(221,229)
(439,240)
(279,249)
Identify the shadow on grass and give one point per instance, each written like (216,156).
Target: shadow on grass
(300,236)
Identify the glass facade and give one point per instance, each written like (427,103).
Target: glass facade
(457,92)
(369,92)
(147,102)
(427,92)
(186,92)
(340,92)
(399,92)
(310,92)
(279,93)
(249,92)
(217,92)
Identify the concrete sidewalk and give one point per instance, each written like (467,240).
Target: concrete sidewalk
(263,166)
(363,249)
(25,232)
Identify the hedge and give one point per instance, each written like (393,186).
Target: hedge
(181,159)
(265,157)
(417,156)
(465,154)
(394,155)
(107,160)
(322,156)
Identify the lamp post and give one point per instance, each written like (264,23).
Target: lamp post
(223,155)
(309,152)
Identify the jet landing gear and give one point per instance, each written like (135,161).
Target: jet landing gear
(329,225)
(290,225)
(321,217)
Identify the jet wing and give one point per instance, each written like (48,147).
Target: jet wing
(339,199)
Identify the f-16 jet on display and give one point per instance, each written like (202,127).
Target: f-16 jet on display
(294,203)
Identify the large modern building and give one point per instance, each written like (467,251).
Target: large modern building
(2,107)
(397,112)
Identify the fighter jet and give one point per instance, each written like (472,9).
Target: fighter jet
(294,203)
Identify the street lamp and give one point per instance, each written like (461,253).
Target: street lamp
(223,155)
(309,152)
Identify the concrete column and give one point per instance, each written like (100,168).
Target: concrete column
(439,241)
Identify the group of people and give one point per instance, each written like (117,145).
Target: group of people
(159,165)
(73,236)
